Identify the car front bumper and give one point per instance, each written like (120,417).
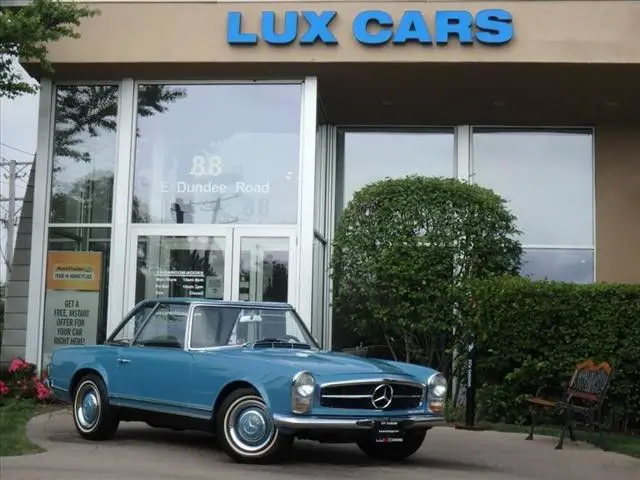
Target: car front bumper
(291,422)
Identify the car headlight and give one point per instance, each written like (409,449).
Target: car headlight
(302,389)
(436,393)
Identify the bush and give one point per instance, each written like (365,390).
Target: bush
(20,381)
(402,247)
(533,333)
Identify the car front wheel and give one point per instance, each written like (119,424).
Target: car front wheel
(394,451)
(93,418)
(246,431)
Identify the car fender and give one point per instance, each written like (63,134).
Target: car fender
(262,391)
(87,367)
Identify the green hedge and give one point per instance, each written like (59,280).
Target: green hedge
(533,333)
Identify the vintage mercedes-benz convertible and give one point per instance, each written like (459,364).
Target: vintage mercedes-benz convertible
(250,373)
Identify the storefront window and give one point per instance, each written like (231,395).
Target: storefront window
(217,154)
(560,264)
(369,156)
(84,153)
(77,273)
(546,176)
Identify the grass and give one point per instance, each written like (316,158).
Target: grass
(14,416)
(624,444)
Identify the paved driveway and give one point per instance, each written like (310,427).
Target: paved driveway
(138,452)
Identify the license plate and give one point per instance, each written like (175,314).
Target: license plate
(388,431)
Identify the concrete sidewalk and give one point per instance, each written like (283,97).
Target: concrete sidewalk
(140,452)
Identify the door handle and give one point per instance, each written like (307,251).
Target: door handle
(124,360)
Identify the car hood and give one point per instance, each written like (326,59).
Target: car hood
(318,362)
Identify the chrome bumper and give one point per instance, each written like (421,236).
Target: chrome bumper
(323,423)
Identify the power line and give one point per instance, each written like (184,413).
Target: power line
(16,149)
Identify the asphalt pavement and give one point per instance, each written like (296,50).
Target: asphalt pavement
(140,452)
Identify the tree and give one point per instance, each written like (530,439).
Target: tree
(25,32)
(403,251)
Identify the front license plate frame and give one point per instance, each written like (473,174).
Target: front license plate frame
(388,431)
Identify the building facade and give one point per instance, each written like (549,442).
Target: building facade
(197,148)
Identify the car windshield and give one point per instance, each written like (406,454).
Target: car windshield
(217,326)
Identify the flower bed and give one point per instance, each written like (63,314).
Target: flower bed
(21,382)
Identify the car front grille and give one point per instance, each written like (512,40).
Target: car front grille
(405,396)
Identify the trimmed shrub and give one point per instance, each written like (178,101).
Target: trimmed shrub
(401,248)
(533,333)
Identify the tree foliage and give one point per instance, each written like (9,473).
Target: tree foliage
(25,32)
(403,250)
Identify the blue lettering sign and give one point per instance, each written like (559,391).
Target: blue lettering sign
(318,29)
(412,28)
(377,27)
(361,25)
(494,26)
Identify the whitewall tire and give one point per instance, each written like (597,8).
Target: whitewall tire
(92,416)
(246,431)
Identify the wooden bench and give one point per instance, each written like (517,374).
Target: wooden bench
(583,395)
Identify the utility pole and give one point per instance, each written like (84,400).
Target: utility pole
(11,220)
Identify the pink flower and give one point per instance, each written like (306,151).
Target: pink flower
(4,390)
(42,392)
(17,364)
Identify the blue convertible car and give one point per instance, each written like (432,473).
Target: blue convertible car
(250,373)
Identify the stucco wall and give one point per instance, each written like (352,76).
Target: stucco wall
(177,32)
(618,204)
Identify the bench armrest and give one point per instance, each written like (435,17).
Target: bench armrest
(552,391)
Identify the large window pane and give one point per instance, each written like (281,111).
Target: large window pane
(217,154)
(77,287)
(547,178)
(84,153)
(558,264)
(369,156)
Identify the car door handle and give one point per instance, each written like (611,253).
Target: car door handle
(124,360)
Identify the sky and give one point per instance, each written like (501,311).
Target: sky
(18,137)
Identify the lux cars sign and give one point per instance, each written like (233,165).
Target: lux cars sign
(376,27)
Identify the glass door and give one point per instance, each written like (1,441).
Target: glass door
(169,262)
(264,261)
(213,262)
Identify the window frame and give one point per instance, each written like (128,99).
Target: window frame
(132,313)
(151,314)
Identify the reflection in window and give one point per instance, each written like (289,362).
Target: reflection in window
(165,328)
(84,153)
(217,154)
(77,287)
(547,178)
(131,327)
(558,264)
(369,156)
(171,266)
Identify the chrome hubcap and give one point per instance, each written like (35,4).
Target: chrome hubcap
(88,407)
(250,427)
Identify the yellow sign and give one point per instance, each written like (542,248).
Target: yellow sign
(81,271)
